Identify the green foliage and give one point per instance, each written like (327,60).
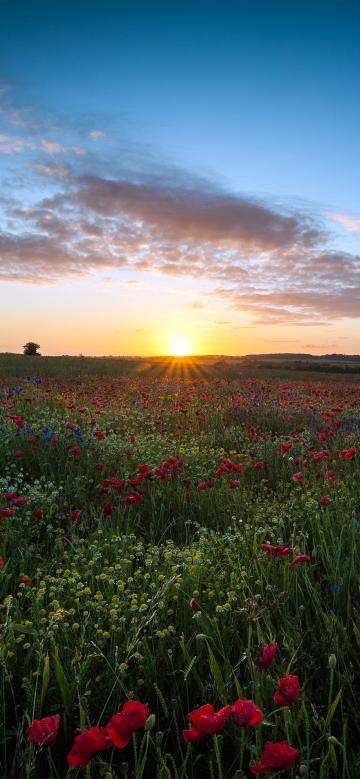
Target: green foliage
(31,349)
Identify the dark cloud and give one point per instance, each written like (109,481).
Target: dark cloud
(197,216)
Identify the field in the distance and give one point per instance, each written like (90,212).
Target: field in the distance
(179,533)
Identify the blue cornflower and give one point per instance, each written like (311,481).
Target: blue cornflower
(335,587)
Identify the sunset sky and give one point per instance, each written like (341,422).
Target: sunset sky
(180,170)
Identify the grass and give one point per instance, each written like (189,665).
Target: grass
(104,614)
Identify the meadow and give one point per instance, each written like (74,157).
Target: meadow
(175,542)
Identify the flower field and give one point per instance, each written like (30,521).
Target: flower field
(180,576)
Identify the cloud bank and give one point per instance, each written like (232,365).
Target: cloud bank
(276,266)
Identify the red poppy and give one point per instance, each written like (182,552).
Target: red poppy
(44,731)
(100,435)
(234,483)
(114,483)
(75,516)
(107,508)
(246,713)
(325,500)
(144,470)
(268,653)
(297,476)
(195,604)
(26,580)
(38,514)
(75,451)
(323,455)
(287,691)
(206,721)
(6,513)
(87,745)
(135,497)
(280,550)
(275,756)
(19,502)
(18,421)
(300,559)
(122,725)
(285,448)
(2,562)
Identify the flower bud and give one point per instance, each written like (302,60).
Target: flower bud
(150,722)
(201,637)
(332,662)
(333,740)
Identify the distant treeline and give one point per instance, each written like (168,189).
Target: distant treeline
(321,367)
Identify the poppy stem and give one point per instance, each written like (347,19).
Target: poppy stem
(135,752)
(242,747)
(53,771)
(188,750)
(218,756)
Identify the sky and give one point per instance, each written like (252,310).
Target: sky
(180,170)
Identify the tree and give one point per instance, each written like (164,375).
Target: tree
(32,348)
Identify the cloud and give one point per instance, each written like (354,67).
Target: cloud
(52,171)
(95,135)
(196,306)
(15,144)
(52,147)
(45,258)
(197,216)
(351,223)
(320,346)
(275,265)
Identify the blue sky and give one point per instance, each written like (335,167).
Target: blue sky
(218,106)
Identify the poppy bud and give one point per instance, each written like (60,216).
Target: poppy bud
(195,604)
(332,662)
(150,722)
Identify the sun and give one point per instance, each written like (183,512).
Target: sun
(180,346)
